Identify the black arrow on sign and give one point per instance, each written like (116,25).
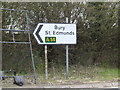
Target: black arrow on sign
(37,33)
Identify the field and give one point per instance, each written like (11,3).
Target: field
(84,77)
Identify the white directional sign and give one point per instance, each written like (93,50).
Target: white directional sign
(54,33)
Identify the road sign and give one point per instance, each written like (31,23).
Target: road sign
(55,33)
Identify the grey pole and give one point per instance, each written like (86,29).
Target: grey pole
(67,56)
(46,63)
(14,30)
(33,64)
(0,43)
(13,9)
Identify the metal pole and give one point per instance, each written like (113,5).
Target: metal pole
(13,9)
(0,43)
(67,56)
(33,64)
(14,30)
(67,62)
(46,63)
(16,42)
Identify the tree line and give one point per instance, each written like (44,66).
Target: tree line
(97,33)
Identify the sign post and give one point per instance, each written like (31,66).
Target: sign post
(55,33)
(67,65)
(46,63)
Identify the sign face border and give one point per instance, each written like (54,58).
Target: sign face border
(37,35)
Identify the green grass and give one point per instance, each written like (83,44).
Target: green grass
(108,73)
(81,74)
(77,75)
